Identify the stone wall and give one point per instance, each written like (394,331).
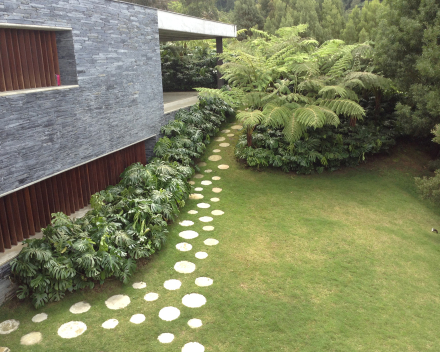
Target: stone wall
(113,54)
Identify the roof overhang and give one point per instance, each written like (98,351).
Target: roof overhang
(175,27)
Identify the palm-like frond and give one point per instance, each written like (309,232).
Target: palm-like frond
(344,107)
(332,92)
(276,116)
(250,119)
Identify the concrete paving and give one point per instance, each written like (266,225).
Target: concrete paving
(173,101)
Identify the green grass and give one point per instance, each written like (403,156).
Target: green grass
(341,261)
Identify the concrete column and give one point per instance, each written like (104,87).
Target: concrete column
(219,46)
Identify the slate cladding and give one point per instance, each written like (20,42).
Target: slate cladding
(113,54)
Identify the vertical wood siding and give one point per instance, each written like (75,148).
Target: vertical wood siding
(27,211)
(28,59)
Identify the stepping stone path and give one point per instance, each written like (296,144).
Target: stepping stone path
(195,196)
(224,145)
(8,326)
(223,167)
(165,337)
(198,176)
(210,242)
(194,323)
(201,255)
(183,247)
(216,151)
(217,212)
(191,182)
(117,302)
(198,189)
(110,324)
(226,131)
(215,200)
(219,139)
(237,127)
(169,313)
(203,205)
(216,190)
(184,267)
(31,338)
(172,284)
(202,163)
(204,281)
(215,158)
(80,307)
(208,228)
(186,223)
(206,219)
(72,329)
(206,183)
(193,300)
(216,178)
(192,212)
(230,135)
(39,318)
(139,285)
(208,171)
(150,297)
(188,235)
(137,319)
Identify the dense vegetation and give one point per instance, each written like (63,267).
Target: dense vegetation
(128,221)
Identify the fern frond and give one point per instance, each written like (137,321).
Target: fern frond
(344,107)
(332,92)
(276,116)
(250,119)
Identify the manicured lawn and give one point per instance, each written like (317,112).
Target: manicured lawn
(342,261)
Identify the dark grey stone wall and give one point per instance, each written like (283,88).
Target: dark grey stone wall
(113,54)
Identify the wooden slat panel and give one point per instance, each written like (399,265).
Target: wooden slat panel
(29,59)
(85,184)
(17,216)
(70,186)
(80,188)
(50,195)
(35,208)
(11,219)
(5,224)
(48,43)
(66,192)
(23,214)
(41,65)
(61,196)
(35,58)
(2,75)
(143,153)
(74,188)
(50,74)
(5,60)
(45,198)
(53,41)
(12,62)
(17,57)
(56,195)
(2,245)
(23,58)
(29,213)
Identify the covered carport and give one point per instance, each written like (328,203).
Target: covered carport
(178,27)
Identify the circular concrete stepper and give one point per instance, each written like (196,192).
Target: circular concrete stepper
(80,307)
(237,127)
(208,228)
(188,234)
(208,171)
(72,329)
(165,337)
(169,313)
(225,131)
(204,281)
(110,324)
(139,285)
(223,167)
(230,135)
(194,323)
(203,205)
(198,176)
(193,300)
(206,219)
(206,183)
(184,267)
(216,151)
(172,284)
(224,145)
(193,212)
(39,317)
(186,223)
(215,199)
(198,189)
(219,139)
(151,296)
(202,163)
(195,196)
(201,255)
(216,178)
(217,212)
(210,242)
(216,190)
(193,347)
(8,326)
(31,339)
(137,319)
(183,247)
(215,158)
(117,302)
(192,182)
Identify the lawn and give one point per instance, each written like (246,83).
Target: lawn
(342,261)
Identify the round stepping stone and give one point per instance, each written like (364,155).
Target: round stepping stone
(216,151)
(223,167)
(208,171)
(219,139)
(237,127)
(191,182)
(195,196)
(230,135)
(110,324)
(193,300)
(72,329)
(186,223)
(216,178)
(206,219)
(165,337)
(9,326)
(188,234)
(169,313)
(216,190)
(139,285)
(204,281)
(192,212)
(203,205)
(80,307)
(172,284)
(193,347)
(224,145)
(198,189)
(198,176)
(183,247)
(202,163)
(117,302)
(215,200)
(39,318)
(215,158)
(137,319)
(210,242)
(208,228)
(226,131)
(206,183)
(31,339)
(150,297)
(217,212)
(194,323)
(201,255)
(184,267)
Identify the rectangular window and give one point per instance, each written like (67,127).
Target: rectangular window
(28,59)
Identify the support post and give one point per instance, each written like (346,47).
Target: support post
(219,47)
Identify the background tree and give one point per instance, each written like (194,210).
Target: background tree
(247,15)
(332,19)
(408,51)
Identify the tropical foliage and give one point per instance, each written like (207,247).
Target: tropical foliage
(127,222)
